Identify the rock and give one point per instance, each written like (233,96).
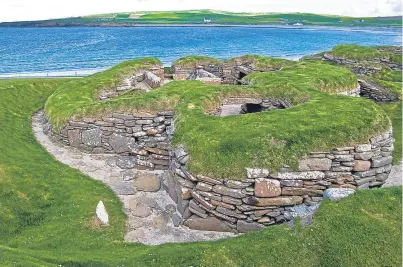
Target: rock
(231,200)
(368,173)
(142,211)
(276,201)
(126,162)
(74,138)
(208,180)
(176,219)
(335,194)
(292,183)
(92,138)
(121,143)
(312,175)
(257,173)
(147,182)
(157,151)
(223,190)
(243,226)
(361,165)
(236,184)
(204,187)
(230,213)
(363,148)
(381,161)
(102,214)
(267,187)
(207,224)
(315,164)
(364,155)
(300,191)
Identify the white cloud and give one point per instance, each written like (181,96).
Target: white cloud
(15,10)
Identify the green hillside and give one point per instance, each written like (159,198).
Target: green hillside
(213,17)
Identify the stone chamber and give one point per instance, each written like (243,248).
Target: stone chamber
(141,141)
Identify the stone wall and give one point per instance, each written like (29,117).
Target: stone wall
(375,92)
(264,197)
(140,141)
(354,93)
(183,73)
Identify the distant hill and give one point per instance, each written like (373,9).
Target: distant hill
(205,17)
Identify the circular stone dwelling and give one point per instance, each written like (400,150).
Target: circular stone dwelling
(242,143)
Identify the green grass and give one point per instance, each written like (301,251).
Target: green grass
(223,146)
(264,63)
(357,52)
(394,111)
(194,61)
(47,207)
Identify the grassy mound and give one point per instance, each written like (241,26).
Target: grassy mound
(263,63)
(357,52)
(194,61)
(223,146)
(47,209)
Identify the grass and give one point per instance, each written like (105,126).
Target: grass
(263,63)
(194,61)
(46,209)
(357,52)
(223,146)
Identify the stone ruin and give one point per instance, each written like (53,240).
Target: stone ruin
(144,80)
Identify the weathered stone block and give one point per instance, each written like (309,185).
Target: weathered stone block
(209,180)
(204,187)
(363,148)
(121,143)
(207,224)
(312,175)
(300,191)
(74,137)
(267,187)
(292,183)
(276,201)
(315,164)
(92,138)
(362,165)
(381,161)
(366,173)
(223,190)
(257,173)
(230,213)
(244,227)
(147,182)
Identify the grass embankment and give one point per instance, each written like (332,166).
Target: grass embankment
(263,63)
(223,146)
(357,52)
(47,207)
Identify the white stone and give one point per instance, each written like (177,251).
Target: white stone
(257,173)
(102,214)
(335,194)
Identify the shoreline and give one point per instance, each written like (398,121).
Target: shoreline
(185,25)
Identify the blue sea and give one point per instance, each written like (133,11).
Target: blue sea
(83,51)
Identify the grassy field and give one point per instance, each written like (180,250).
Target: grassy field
(223,146)
(47,207)
(217,17)
(357,52)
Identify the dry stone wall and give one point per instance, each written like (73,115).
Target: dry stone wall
(264,197)
(141,141)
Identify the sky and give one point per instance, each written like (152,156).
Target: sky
(19,10)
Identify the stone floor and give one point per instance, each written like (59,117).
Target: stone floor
(149,208)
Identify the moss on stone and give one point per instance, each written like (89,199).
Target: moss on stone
(194,61)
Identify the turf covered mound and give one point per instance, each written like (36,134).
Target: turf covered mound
(224,146)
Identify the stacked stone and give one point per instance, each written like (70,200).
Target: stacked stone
(140,140)
(266,198)
(183,73)
(263,105)
(375,92)
(152,80)
(364,66)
